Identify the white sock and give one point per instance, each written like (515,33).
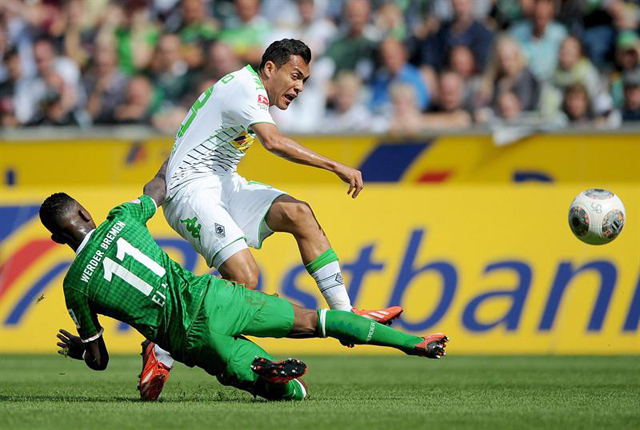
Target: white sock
(163,356)
(331,285)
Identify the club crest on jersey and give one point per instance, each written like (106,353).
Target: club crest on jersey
(192,226)
(219,229)
(243,141)
(263,101)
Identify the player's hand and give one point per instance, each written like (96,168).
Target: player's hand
(71,345)
(352,177)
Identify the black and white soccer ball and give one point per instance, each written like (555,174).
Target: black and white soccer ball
(596,216)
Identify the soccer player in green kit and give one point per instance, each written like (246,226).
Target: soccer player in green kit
(119,271)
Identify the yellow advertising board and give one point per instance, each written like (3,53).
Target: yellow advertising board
(494,267)
(467,159)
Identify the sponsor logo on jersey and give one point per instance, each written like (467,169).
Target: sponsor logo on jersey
(219,230)
(262,100)
(192,226)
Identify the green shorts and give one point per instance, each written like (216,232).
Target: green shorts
(215,340)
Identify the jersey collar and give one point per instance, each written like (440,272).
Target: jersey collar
(250,69)
(84,241)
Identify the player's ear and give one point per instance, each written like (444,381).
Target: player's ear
(269,68)
(85,215)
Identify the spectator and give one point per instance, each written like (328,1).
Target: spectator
(407,119)
(510,74)
(48,62)
(15,108)
(463,29)
(139,105)
(540,38)
(221,60)
(196,32)
(574,67)
(448,111)
(462,62)
(395,68)
(315,31)
(389,20)
(56,107)
(169,71)
(349,113)
(80,33)
(627,59)
(577,105)
(247,33)
(105,85)
(508,106)
(631,108)
(129,27)
(354,49)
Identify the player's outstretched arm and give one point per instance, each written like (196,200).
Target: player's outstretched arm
(289,149)
(93,353)
(157,187)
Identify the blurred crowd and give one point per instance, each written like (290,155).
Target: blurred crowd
(402,66)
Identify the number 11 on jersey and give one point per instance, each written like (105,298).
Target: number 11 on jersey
(111,268)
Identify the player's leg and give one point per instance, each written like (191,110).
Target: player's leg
(242,268)
(293,216)
(233,359)
(260,210)
(254,313)
(198,215)
(251,368)
(350,328)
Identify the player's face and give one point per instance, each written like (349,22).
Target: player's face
(288,82)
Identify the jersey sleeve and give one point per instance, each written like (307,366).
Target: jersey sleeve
(142,208)
(86,321)
(248,106)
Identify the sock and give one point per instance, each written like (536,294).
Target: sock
(163,356)
(325,270)
(292,390)
(354,329)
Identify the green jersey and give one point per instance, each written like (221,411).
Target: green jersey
(119,271)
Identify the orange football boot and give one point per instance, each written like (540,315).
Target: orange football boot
(154,374)
(433,346)
(384,316)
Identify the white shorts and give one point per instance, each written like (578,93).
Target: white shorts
(220,215)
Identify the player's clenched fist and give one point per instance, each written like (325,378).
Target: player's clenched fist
(352,177)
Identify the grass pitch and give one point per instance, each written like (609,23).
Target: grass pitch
(388,392)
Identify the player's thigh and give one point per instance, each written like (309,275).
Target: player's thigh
(234,310)
(248,203)
(200,216)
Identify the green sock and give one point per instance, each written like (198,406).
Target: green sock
(355,329)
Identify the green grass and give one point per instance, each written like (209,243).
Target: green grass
(389,392)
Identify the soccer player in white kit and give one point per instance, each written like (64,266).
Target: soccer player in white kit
(222,214)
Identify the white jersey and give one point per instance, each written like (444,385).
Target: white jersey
(216,132)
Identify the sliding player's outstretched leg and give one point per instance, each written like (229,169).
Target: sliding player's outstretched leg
(354,329)
(293,216)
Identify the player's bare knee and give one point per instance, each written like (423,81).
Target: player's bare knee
(249,278)
(300,216)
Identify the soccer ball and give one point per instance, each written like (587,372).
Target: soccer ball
(596,216)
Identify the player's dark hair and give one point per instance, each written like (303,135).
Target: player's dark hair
(55,207)
(280,51)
